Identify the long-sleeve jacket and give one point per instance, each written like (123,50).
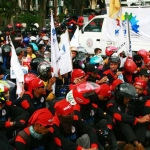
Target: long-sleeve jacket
(67,141)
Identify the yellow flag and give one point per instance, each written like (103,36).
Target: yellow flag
(114,8)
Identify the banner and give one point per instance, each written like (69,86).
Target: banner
(65,60)
(75,39)
(55,53)
(116,30)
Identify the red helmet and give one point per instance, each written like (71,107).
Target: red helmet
(104,90)
(115,83)
(19,25)
(82,92)
(110,50)
(143,53)
(140,82)
(28,78)
(130,66)
(76,74)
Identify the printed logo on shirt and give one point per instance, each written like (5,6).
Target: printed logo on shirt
(42,99)
(3,112)
(73,129)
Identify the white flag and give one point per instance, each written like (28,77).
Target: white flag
(75,39)
(66,60)
(55,53)
(17,69)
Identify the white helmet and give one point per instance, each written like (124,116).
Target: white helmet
(32,38)
(24,25)
(45,38)
(37,25)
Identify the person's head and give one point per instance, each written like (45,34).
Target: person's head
(110,50)
(37,87)
(92,69)
(143,53)
(41,48)
(97,51)
(78,76)
(124,92)
(138,60)
(41,121)
(144,74)
(45,39)
(130,66)
(64,111)
(33,39)
(29,49)
(140,85)
(44,70)
(74,51)
(20,52)
(104,92)
(114,63)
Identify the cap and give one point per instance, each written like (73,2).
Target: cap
(42,116)
(73,48)
(92,68)
(104,90)
(144,72)
(19,50)
(140,82)
(45,38)
(37,83)
(63,107)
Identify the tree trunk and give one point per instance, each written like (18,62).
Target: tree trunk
(42,12)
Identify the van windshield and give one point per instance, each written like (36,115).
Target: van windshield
(95,25)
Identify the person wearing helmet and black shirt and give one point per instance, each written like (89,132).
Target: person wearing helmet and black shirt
(34,98)
(70,133)
(87,110)
(118,108)
(12,118)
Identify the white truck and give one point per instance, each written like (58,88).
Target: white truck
(102,31)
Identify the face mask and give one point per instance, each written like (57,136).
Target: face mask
(66,122)
(34,134)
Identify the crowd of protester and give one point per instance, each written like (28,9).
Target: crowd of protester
(103,100)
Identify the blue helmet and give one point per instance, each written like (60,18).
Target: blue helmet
(26,40)
(96,60)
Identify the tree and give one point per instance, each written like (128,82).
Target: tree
(8,9)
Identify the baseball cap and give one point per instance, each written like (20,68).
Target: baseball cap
(145,72)
(63,107)
(19,50)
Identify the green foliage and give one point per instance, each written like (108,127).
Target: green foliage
(27,18)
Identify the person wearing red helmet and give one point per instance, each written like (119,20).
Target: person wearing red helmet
(138,59)
(38,134)
(130,69)
(34,98)
(143,53)
(85,107)
(70,132)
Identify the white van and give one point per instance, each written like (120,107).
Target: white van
(91,35)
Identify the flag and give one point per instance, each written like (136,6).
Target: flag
(128,39)
(17,69)
(55,53)
(66,60)
(75,39)
(114,8)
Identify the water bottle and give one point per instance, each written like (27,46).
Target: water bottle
(121,77)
